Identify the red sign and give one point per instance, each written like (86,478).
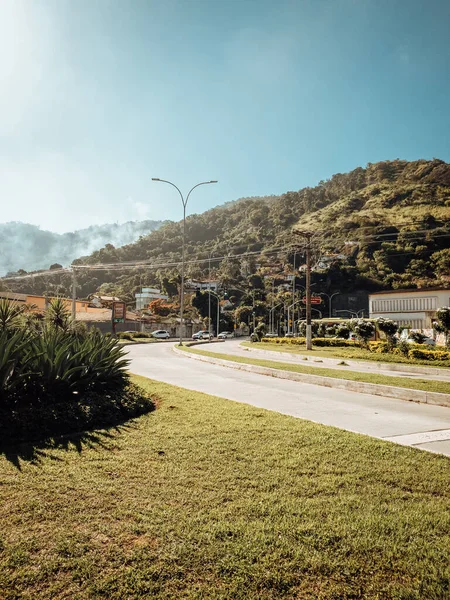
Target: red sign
(119,312)
(314,300)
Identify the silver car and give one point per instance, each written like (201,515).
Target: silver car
(161,334)
(202,335)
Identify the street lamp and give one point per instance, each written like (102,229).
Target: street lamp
(209,295)
(184,201)
(272,316)
(218,312)
(330,298)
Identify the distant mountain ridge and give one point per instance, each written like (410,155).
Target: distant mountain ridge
(25,246)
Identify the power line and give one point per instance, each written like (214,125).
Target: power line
(316,236)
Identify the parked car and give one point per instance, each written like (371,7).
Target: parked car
(202,335)
(224,335)
(271,335)
(161,334)
(353,337)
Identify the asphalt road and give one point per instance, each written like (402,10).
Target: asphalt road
(419,425)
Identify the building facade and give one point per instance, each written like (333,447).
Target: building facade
(147,295)
(412,308)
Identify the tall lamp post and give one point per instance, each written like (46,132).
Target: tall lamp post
(184,201)
(218,313)
(330,298)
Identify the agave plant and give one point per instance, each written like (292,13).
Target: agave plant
(54,365)
(13,362)
(103,361)
(58,314)
(10,313)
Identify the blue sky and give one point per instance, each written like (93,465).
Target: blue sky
(99,96)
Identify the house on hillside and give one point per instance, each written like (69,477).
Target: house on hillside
(147,295)
(205,284)
(327,259)
(99,301)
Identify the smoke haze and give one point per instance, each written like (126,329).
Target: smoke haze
(25,246)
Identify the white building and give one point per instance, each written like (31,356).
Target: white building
(413,308)
(147,295)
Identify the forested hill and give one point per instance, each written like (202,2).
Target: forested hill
(394,216)
(25,246)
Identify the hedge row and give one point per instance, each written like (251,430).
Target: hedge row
(301,341)
(414,351)
(127,335)
(424,354)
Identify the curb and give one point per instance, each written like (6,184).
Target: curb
(420,370)
(420,396)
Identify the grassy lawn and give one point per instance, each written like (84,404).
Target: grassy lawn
(342,372)
(349,352)
(210,499)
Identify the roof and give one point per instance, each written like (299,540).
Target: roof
(12,296)
(107,298)
(411,291)
(102,314)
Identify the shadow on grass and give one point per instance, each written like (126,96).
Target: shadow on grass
(34,452)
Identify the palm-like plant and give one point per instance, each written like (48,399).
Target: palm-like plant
(58,314)
(13,366)
(10,313)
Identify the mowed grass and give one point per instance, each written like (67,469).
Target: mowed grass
(210,499)
(353,353)
(343,372)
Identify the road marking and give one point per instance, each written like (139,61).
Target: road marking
(413,439)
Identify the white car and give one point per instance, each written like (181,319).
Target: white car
(161,334)
(202,335)
(224,335)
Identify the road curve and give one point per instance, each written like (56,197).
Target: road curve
(419,425)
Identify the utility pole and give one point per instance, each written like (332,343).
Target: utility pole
(74,295)
(308,235)
(209,299)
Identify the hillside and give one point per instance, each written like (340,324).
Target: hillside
(25,246)
(394,216)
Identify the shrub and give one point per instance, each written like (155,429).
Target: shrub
(417,337)
(379,347)
(343,331)
(389,328)
(302,328)
(402,348)
(55,365)
(423,354)
(141,334)
(364,330)
(443,323)
(260,330)
(333,342)
(125,335)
